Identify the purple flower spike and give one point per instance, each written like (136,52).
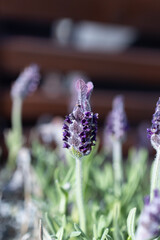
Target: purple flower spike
(26,83)
(154,131)
(149,221)
(80,127)
(116,122)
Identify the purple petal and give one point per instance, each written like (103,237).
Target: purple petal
(66,145)
(89,89)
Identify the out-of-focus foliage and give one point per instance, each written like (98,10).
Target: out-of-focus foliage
(108,216)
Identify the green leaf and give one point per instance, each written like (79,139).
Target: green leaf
(105,235)
(94,231)
(60,233)
(75,234)
(116,213)
(131,223)
(77,228)
(47,236)
(135,175)
(69,175)
(64,221)
(49,223)
(129,238)
(101,224)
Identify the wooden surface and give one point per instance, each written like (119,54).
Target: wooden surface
(143,14)
(139,106)
(141,66)
(135,66)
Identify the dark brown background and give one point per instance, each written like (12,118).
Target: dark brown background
(25,37)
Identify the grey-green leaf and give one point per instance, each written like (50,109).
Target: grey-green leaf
(105,235)
(60,233)
(77,228)
(75,234)
(131,223)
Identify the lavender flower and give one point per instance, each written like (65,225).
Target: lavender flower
(154,131)
(80,127)
(149,222)
(26,83)
(116,122)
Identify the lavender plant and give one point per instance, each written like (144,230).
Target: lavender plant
(149,221)
(154,136)
(25,84)
(79,136)
(105,212)
(115,134)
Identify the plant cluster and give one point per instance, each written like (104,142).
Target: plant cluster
(83,192)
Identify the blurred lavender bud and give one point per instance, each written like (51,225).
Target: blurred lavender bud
(80,127)
(107,138)
(52,131)
(26,83)
(154,131)
(149,221)
(117,121)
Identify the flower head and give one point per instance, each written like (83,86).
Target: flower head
(154,131)
(26,83)
(80,127)
(116,122)
(149,221)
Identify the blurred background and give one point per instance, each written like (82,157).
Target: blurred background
(115,44)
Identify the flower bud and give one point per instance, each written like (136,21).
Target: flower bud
(154,131)
(26,83)
(116,122)
(149,221)
(80,127)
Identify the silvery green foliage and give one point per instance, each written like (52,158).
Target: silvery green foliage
(131,223)
(106,215)
(27,82)
(106,212)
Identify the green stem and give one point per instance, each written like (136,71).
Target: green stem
(116,212)
(155,175)
(16,132)
(16,115)
(79,195)
(117,166)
